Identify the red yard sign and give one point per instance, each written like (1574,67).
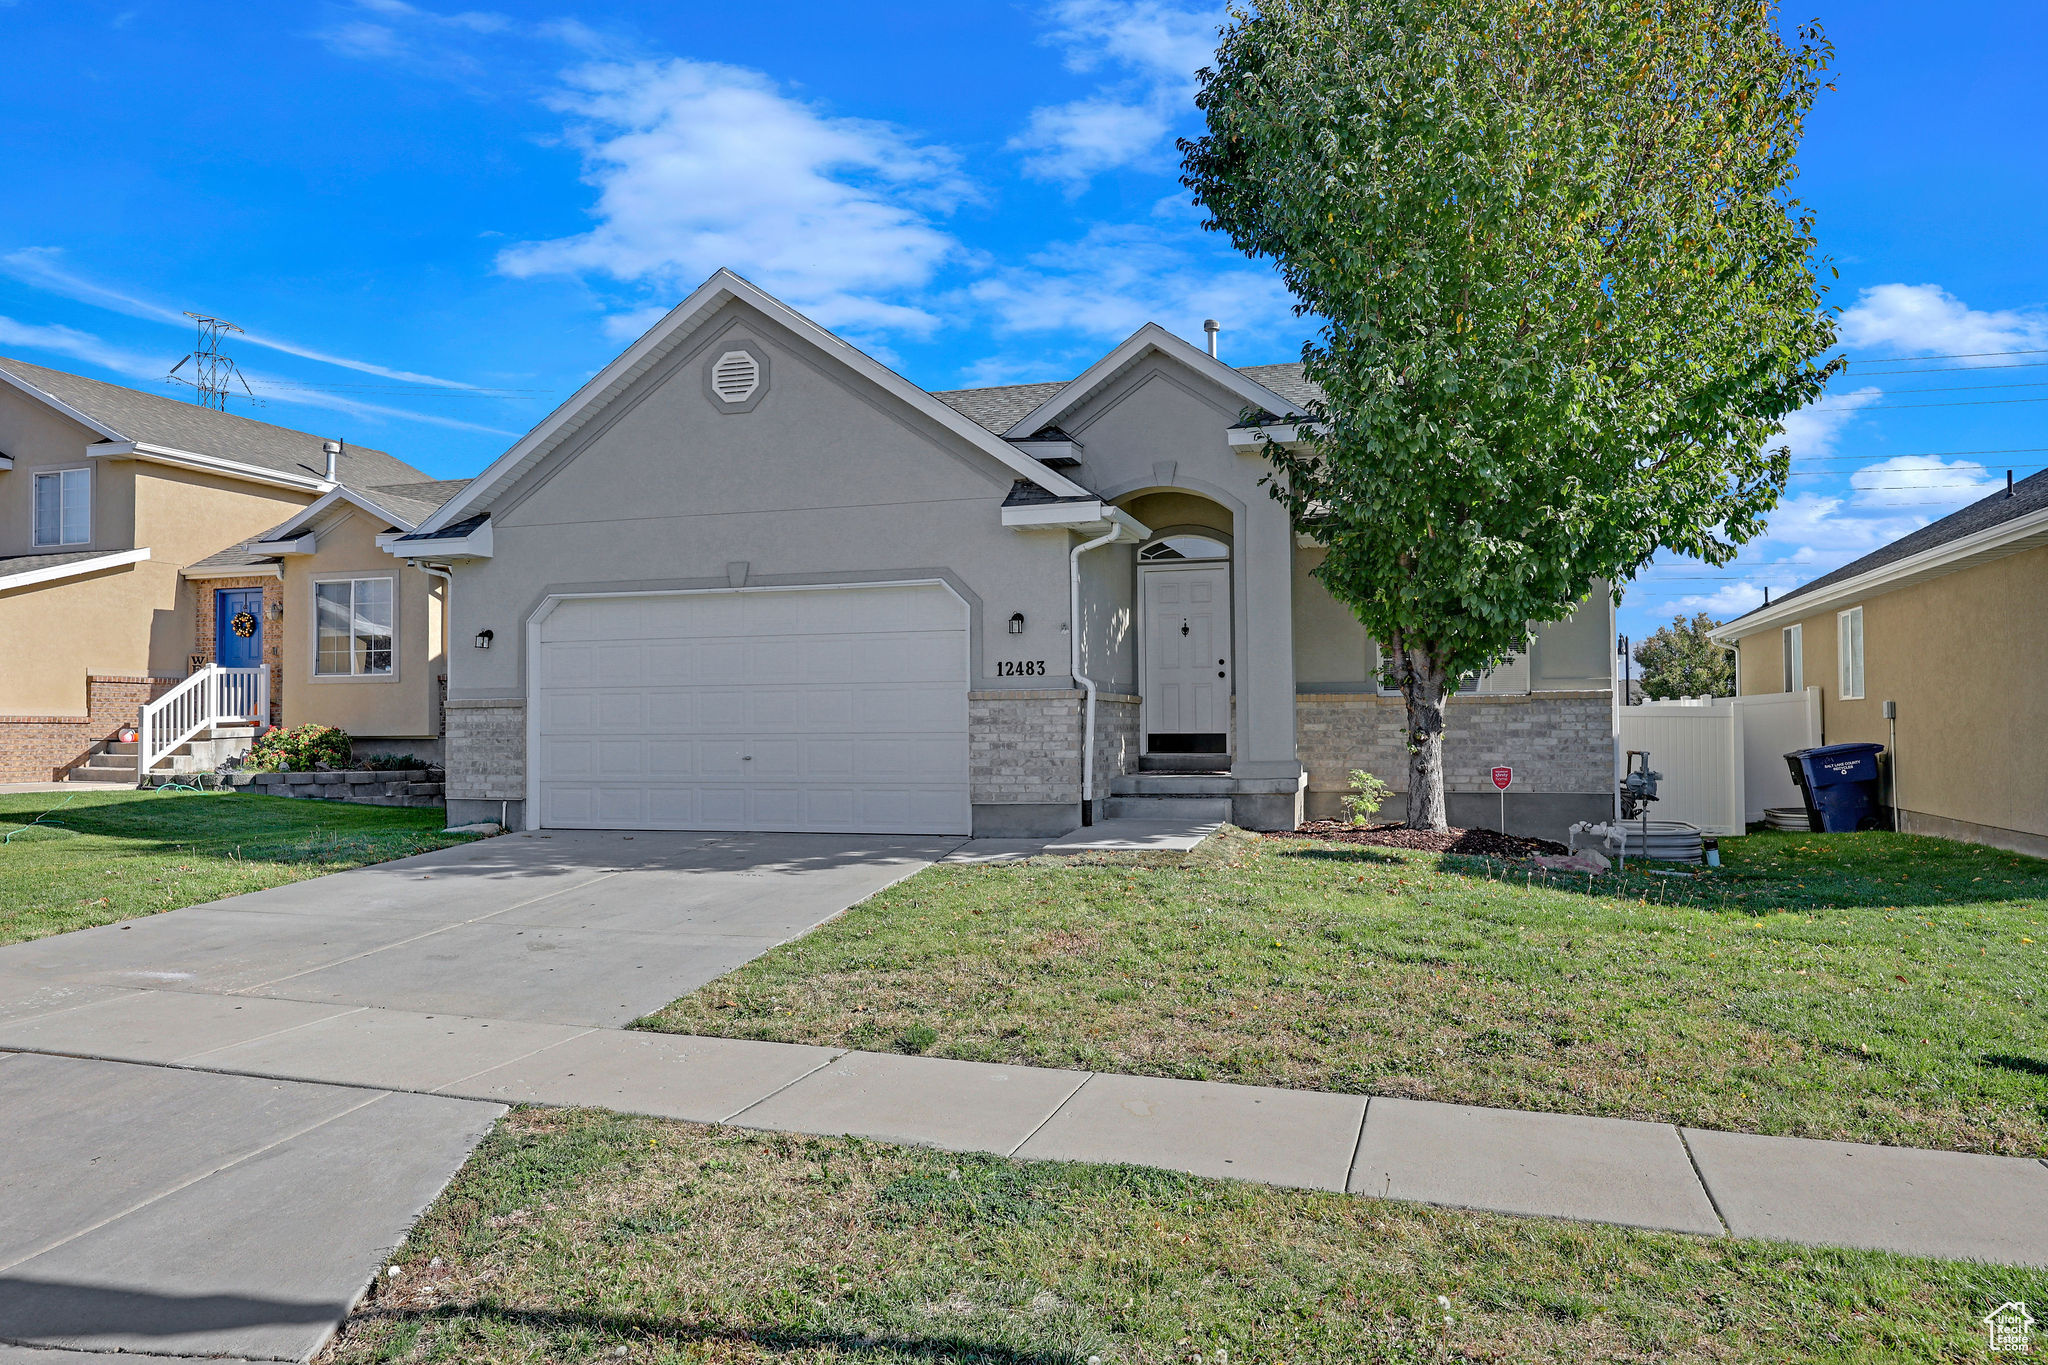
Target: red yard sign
(1502,777)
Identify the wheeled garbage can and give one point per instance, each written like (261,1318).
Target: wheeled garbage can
(1842,786)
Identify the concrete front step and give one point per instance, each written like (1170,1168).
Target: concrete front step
(1173,784)
(1191,809)
(1184,763)
(97,772)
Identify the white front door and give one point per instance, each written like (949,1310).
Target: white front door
(1187,649)
(838,710)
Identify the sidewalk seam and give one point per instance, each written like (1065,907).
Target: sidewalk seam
(264,1037)
(520,1058)
(1701,1176)
(1056,1111)
(182,1185)
(1358,1147)
(753,1104)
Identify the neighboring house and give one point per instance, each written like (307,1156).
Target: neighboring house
(749,578)
(1948,623)
(115,506)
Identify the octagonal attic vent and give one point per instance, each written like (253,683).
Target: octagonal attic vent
(735,376)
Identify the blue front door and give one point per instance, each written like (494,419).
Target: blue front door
(236,611)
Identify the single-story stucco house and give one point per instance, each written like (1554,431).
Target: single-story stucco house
(151,548)
(750,578)
(1950,624)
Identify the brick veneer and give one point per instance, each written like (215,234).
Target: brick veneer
(273,628)
(44,748)
(1024,747)
(1557,742)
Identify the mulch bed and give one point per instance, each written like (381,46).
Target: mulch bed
(1479,843)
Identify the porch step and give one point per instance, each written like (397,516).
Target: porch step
(1191,808)
(1173,784)
(1184,763)
(99,770)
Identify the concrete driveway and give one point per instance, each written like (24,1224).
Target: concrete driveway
(184,1212)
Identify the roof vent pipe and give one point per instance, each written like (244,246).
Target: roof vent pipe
(2008,483)
(1212,327)
(333,449)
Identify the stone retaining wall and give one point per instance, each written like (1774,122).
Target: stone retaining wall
(365,787)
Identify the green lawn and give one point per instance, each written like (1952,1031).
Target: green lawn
(1873,987)
(75,859)
(583,1236)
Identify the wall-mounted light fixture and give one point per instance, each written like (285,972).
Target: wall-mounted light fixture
(483,639)
(1016,623)
(274,612)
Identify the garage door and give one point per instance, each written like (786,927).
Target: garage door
(829,710)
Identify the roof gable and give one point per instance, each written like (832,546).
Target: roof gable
(674,332)
(1149,340)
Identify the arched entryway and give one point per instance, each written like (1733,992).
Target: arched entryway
(1186,631)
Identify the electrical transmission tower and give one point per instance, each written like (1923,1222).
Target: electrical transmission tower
(213,374)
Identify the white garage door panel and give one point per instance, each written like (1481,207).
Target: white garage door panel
(829,710)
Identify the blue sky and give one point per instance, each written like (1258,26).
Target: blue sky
(434,223)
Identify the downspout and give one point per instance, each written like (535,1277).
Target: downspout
(1085,683)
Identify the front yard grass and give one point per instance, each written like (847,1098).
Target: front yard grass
(1870,987)
(584,1236)
(71,860)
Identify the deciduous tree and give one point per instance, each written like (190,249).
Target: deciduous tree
(1680,661)
(1564,290)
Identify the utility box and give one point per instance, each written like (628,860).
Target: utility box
(1842,785)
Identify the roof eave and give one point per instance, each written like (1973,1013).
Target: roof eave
(15,381)
(1091,515)
(77,569)
(1149,337)
(123,449)
(1994,542)
(474,544)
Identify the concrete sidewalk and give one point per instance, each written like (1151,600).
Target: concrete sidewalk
(1637,1174)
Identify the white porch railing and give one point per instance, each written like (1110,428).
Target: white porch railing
(212,696)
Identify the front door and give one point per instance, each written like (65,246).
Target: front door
(238,627)
(1187,656)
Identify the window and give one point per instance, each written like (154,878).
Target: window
(1170,548)
(1795,658)
(64,507)
(352,627)
(1849,629)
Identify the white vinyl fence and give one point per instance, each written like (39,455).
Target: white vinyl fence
(1723,758)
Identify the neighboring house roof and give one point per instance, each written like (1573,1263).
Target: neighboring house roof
(1286,380)
(1999,524)
(405,505)
(124,414)
(668,336)
(21,571)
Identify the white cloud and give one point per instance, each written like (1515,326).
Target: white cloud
(1154,51)
(1924,482)
(39,268)
(699,165)
(1723,603)
(1120,277)
(1813,430)
(80,346)
(1925,319)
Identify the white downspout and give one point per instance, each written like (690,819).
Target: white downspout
(1085,683)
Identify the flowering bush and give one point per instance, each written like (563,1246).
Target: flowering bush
(300,750)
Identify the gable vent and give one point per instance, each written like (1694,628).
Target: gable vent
(735,376)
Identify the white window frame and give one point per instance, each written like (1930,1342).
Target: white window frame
(1792,640)
(1849,652)
(355,672)
(35,506)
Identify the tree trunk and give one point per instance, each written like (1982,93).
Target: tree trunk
(1422,687)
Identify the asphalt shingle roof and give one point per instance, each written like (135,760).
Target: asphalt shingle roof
(415,501)
(234,557)
(162,420)
(998,409)
(2028,495)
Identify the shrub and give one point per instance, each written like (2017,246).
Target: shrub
(299,749)
(386,763)
(1368,793)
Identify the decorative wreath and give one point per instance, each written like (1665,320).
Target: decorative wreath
(243,624)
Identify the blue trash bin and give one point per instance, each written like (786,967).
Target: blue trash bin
(1843,784)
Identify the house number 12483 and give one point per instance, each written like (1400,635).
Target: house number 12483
(1020,668)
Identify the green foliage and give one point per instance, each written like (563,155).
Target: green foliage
(1566,295)
(1680,661)
(1368,794)
(381,763)
(299,749)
